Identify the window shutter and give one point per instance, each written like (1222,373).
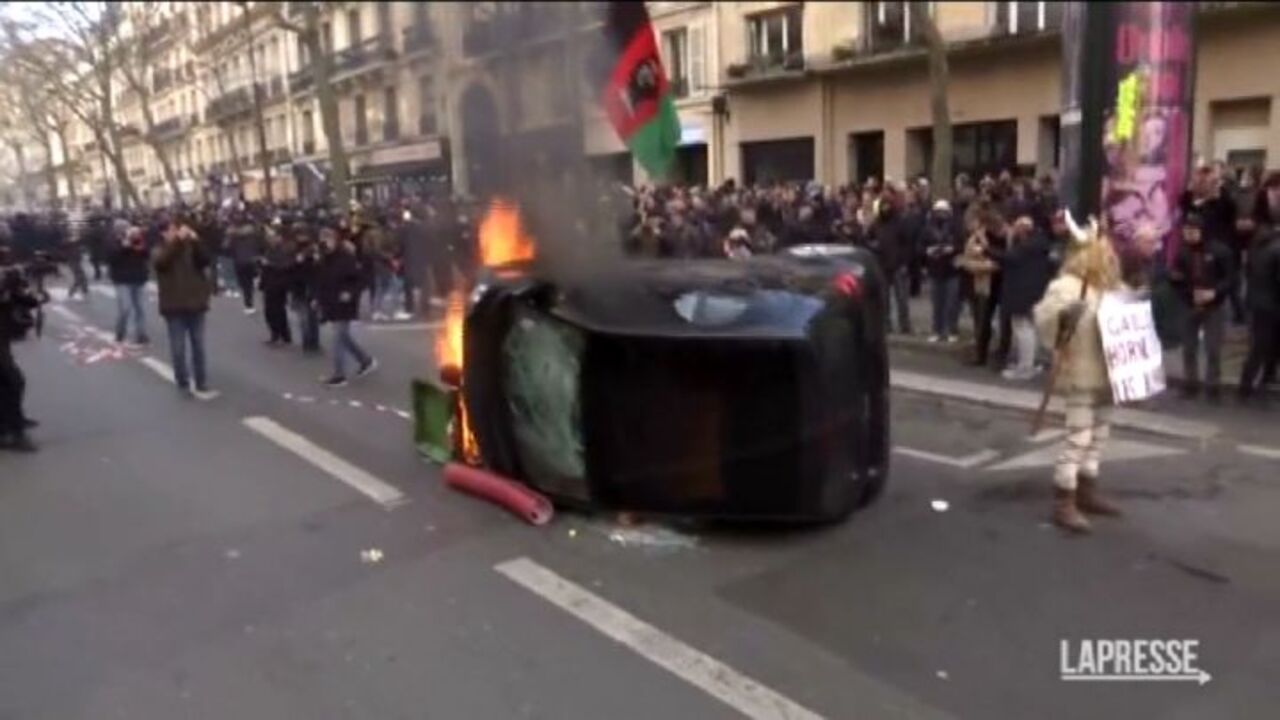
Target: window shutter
(697,59)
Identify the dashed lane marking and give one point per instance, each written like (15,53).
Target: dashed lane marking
(383,493)
(1260,451)
(159,368)
(704,672)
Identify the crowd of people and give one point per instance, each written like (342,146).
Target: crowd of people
(991,249)
(994,247)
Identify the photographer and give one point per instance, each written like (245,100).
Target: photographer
(182,265)
(128,265)
(18,304)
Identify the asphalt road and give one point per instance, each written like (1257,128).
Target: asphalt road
(161,558)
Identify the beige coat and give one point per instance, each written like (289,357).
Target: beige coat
(1084,366)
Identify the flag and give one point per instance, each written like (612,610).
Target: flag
(637,95)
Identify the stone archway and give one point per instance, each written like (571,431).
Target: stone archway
(482,143)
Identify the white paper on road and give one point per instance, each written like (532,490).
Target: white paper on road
(1135,360)
(380,492)
(722,682)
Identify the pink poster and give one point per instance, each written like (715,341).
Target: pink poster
(1147,129)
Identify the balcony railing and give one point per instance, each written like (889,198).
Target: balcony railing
(301,79)
(368,52)
(418,38)
(758,65)
(230,103)
(168,128)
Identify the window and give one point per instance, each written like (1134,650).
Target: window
(384,18)
(304,55)
(888,26)
(675,51)
(362,121)
(391,114)
(1028,17)
(426,106)
(308,133)
(326,36)
(777,35)
(353,28)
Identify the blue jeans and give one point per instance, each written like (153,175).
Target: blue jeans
(899,294)
(129,301)
(390,291)
(187,327)
(308,324)
(344,344)
(945,296)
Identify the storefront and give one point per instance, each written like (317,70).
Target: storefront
(415,170)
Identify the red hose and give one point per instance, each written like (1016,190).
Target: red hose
(520,499)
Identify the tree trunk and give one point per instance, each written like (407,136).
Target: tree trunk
(162,156)
(50,175)
(68,167)
(939,78)
(236,168)
(259,121)
(22,172)
(110,142)
(322,69)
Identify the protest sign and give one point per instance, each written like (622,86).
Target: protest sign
(1135,360)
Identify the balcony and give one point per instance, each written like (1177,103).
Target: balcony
(418,38)
(758,66)
(301,79)
(229,104)
(372,51)
(169,129)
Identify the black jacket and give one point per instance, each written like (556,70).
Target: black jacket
(277,267)
(1027,271)
(1264,276)
(128,264)
(940,241)
(890,242)
(1207,266)
(341,280)
(182,278)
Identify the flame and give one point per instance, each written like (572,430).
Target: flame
(449,340)
(502,236)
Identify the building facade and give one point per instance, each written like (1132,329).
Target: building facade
(765,90)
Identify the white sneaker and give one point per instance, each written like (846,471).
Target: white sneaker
(205,395)
(402,316)
(250,311)
(378,317)
(935,339)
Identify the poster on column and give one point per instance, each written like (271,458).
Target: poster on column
(1135,359)
(1147,123)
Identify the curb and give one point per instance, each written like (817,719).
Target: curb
(1016,399)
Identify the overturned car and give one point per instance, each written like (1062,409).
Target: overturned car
(753,389)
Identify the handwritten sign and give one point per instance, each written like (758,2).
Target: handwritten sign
(1135,360)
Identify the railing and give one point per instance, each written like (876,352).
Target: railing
(301,79)
(418,37)
(372,50)
(760,65)
(230,103)
(167,128)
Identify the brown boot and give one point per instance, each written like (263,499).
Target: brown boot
(1088,501)
(1065,513)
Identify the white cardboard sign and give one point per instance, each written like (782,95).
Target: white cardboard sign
(1135,359)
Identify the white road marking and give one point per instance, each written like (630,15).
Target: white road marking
(1047,434)
(1117,450)
(160,368)
(722,682)
(386,495)
(1260,451)
(434,325)
(403,414)
(967,462)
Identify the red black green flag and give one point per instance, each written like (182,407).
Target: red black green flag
(637,96)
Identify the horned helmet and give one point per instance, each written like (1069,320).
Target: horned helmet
(1091,256)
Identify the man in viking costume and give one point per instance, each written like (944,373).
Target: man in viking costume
(1067,320)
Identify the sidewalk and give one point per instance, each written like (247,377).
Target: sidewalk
(1234,351)
(930,372)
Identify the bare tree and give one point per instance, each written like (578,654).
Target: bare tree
(308,31)
(258,90)
(34,121)
(137,64)
(215,72)
(939,78)
(78,66)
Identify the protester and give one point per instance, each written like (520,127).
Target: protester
(941,243)
(182,265)
(893,245)
(981,261)
(341,282)
(277,271)
(73,255)
(1069,310)
(127,265)
(1264,312)
(1027,270)
(305,292)
(244,241)
(1203,274)
(18,303)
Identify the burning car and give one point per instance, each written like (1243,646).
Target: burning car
(752,389)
